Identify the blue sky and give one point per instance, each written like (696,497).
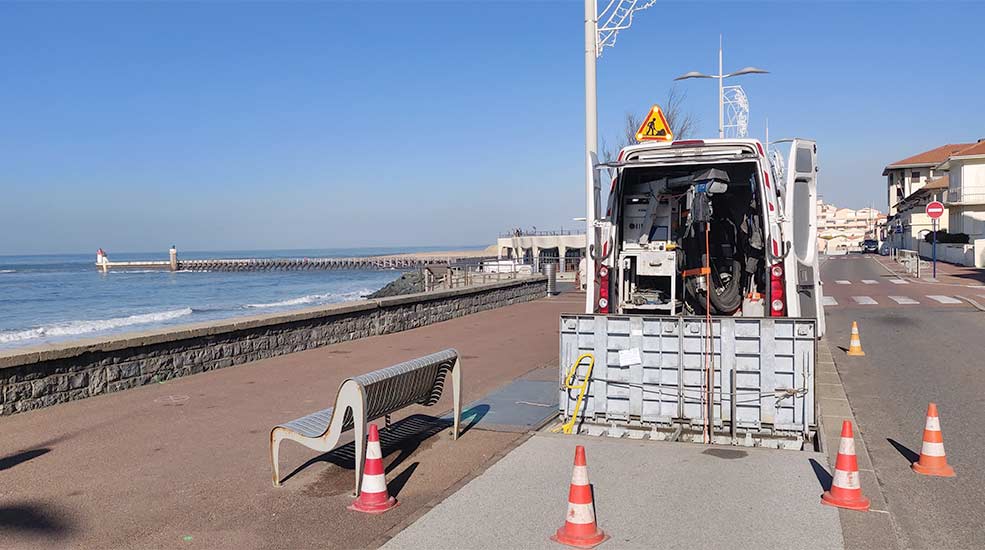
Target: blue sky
(133,126)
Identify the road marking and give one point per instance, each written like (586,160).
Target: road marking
(844,282)
(828,301)
(864,301)
(974,304)
(903,300)
(945,299)
(870,282)
(899,281)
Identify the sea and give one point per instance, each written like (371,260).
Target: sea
(59,298)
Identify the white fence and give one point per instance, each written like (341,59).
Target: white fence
(911,262)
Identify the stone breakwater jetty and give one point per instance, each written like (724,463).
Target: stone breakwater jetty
(395,261)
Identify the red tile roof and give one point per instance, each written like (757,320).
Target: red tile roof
(936,183)
(976,149)
(932,157)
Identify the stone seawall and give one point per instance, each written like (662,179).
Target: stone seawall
(47,375)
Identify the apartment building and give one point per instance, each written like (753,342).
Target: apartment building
(907,176)
(843,229)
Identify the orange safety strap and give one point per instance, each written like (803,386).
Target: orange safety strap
(697,271)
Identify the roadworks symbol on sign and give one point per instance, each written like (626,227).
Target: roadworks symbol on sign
(654,127)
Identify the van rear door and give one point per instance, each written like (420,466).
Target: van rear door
(800,228)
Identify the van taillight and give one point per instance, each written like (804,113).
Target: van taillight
(603,289)
(778,304)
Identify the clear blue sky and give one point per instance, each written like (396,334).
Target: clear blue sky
(133,126)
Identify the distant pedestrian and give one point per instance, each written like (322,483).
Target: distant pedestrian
(582,273)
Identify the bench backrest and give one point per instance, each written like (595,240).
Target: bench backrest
(418,381)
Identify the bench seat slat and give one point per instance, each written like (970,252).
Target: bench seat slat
(312,425)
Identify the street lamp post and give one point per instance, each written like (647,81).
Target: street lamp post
(616,16)
(591,146)
(721,78)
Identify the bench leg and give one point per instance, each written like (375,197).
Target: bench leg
(275,456)
(352,396)
(456,383)
(360,444)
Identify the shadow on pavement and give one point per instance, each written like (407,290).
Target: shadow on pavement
(404,436)
(395,485)
(17,458)
(823,477)
(907,453)
(32,518)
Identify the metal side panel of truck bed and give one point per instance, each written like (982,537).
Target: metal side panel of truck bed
(649,371)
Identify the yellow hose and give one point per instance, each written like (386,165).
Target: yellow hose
(568,427)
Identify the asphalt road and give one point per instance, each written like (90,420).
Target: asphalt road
(919,348)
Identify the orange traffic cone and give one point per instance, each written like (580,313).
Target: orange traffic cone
(579,529)
(846,492)
(933,461)
(855,346)
(373,495)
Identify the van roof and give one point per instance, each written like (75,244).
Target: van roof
(648,146)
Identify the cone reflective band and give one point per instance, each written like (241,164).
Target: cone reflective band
(846,491)
(933,460)
(579,529)
(373,495)
(855,345)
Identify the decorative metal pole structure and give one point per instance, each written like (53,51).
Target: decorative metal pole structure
(721,78)
(591,149)
(617,16)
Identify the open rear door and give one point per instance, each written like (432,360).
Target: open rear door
(801,212)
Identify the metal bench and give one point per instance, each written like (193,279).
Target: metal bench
(370,396)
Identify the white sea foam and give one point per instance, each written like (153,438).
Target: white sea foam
(75,328)
(8,271)
(327,298)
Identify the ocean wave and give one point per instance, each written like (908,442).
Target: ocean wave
(8,271)
(75,328)
(328,297)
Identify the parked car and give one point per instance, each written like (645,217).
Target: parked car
(870,246)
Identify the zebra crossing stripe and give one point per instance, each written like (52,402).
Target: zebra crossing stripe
(903,300)
(828,301)
(844,282)
(864,300)
(870,282)
(945,299)
(899,281)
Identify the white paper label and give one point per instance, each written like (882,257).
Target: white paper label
(629,357)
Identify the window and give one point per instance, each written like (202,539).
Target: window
(914,176)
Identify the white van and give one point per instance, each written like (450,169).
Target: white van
(685,215)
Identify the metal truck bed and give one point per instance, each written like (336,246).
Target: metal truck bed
(648,374)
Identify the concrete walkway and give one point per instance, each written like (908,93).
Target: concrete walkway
(647,495)
(185,464)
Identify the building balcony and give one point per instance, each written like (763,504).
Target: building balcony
(962,196)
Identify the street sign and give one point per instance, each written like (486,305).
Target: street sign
(935,210)
(654,127)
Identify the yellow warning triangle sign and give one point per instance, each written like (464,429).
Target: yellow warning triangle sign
(654,127)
